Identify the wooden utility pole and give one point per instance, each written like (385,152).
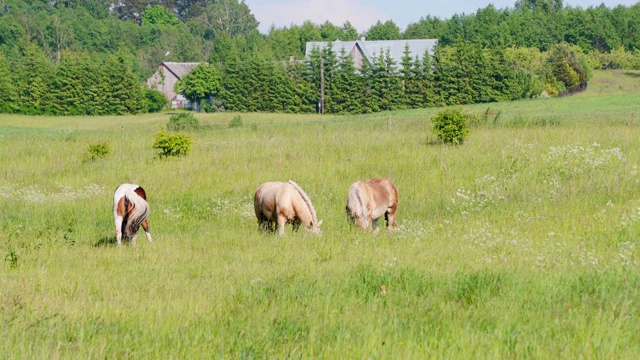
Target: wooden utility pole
(322,86)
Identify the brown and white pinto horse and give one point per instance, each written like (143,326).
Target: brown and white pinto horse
(281,203)
(367,202)
(130,210)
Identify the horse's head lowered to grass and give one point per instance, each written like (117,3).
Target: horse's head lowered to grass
(284,202)
(367,202)
(130,210)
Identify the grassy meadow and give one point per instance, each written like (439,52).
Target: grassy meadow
(520,243)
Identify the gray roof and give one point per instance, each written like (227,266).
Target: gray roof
(372,49)
(180,69)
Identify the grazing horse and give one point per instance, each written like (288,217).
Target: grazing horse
(367,202)
(281,203)
(130,210)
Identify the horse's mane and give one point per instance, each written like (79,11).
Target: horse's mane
(139,214)
(306,200)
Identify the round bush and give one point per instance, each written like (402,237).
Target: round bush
(450,126)
(183,121)
(172,144)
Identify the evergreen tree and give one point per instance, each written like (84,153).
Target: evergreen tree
(368,103)
(234,92)
(425,68)
(118,91)
(330,64)
(345,91)
(413,79)
(390,90)
(313,63)
(382,85)
(8,92)
(70,88)
(304,100)
(33,77)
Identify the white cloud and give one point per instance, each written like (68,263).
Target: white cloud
(285,13)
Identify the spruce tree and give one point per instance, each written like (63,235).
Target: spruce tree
(75,75)
(8,92)
(303,90)
(233,91)
(120,90)
(33,77)
(346,94)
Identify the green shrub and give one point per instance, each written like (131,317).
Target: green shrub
(450,126)
(97,151)
(154,100)
(183,121)
(172,144)
(236,122)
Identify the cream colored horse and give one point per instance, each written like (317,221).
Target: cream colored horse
(367,202)
(281,203)
(130,210)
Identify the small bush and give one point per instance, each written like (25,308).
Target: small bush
(236,122)
(154,100)
(450,126)
(182,122)
(96,151)
(172,144)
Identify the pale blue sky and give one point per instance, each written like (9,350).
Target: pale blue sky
(364,13)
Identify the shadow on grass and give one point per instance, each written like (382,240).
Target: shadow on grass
(632,74)
(106,240)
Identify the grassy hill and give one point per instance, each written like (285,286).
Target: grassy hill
(520,243)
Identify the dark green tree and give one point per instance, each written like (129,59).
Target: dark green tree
(413,79)
(8,91)
(71,85)
(33,77)
(118,90)
(346,95)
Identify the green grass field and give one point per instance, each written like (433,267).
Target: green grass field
(521,243)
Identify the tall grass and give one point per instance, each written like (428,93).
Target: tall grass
(521,243)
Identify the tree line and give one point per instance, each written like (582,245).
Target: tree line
(92,56)
(465,73)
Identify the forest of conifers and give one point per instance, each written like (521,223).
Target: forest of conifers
(91,57)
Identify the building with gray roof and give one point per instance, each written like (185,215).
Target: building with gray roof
(165,79)
(363,50)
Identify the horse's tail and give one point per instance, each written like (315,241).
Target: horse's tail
(139,214)
(306,199)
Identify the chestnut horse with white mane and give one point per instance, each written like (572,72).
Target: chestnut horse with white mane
(281,203)
(367,202)
(130,210)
